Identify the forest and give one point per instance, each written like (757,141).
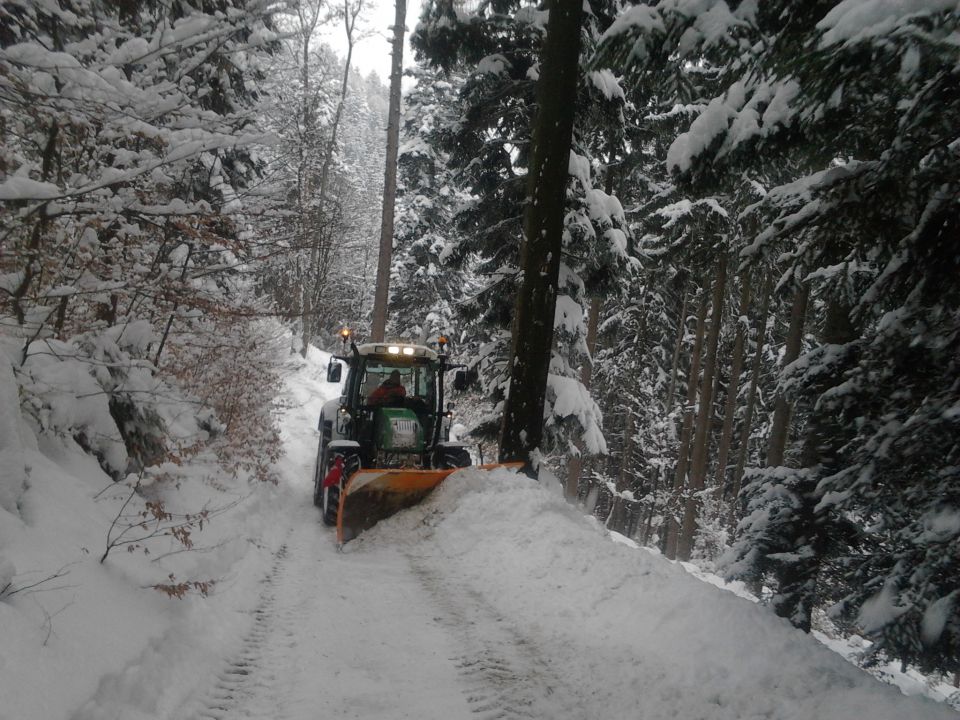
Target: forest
(754,355)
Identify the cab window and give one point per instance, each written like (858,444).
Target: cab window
(417,380)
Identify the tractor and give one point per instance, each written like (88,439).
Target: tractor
(384,444)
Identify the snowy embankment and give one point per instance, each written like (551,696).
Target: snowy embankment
(494,598)
(625,630)
(96,640)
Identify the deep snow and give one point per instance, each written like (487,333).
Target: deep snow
(494,598)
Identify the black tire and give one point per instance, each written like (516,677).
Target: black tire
(454,458)
(319,470)
(330,496)
(317,495)
(330,504)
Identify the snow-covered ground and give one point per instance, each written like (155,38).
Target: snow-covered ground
(492,599)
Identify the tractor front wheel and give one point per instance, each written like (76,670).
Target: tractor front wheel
(453,457)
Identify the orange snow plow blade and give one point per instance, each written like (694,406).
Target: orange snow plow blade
(372,495)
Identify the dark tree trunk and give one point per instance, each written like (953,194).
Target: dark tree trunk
(382,294)
(618,514)
(777,445)
(701,440)
(522,427)
(733,387)
(680,476)
(744,449)
(674,367)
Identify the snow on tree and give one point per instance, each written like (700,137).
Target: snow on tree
(323,163)
(428,197)
(851,109)
(129,155)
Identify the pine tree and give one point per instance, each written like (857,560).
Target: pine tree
(862,111)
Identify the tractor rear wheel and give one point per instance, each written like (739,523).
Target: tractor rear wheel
(330,504)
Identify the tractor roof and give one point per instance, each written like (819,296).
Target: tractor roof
(398,350)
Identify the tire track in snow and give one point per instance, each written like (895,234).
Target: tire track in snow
(505,676)
(242,680)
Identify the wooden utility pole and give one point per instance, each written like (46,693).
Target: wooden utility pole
(522,427)
(382,294)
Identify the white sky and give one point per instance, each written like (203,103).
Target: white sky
(373,52)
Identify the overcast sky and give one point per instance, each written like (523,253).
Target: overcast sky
(373,52)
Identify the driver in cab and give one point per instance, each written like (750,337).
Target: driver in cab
(391,390)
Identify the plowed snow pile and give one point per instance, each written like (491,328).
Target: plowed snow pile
(631,633)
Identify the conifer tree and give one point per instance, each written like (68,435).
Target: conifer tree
(861,110)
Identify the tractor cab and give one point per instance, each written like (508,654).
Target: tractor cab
(392,405)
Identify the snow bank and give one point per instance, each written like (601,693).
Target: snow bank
(91,641)
(665,644)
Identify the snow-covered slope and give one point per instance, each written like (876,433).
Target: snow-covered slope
(97,636)
(623,631)
(494,598)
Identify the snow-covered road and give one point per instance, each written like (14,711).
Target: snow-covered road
(332,638)
(373,632)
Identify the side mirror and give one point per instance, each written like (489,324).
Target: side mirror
(460,380)
(334,371)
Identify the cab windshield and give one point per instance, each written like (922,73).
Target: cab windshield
(381,380)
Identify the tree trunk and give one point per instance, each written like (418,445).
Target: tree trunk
(575,466)
(733,387)
(680,475)
(777,445)
(668,403)
(382,294)
(617,520)
(681,332)
(701,440)
(744,449)
(522,427)
(316,272)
